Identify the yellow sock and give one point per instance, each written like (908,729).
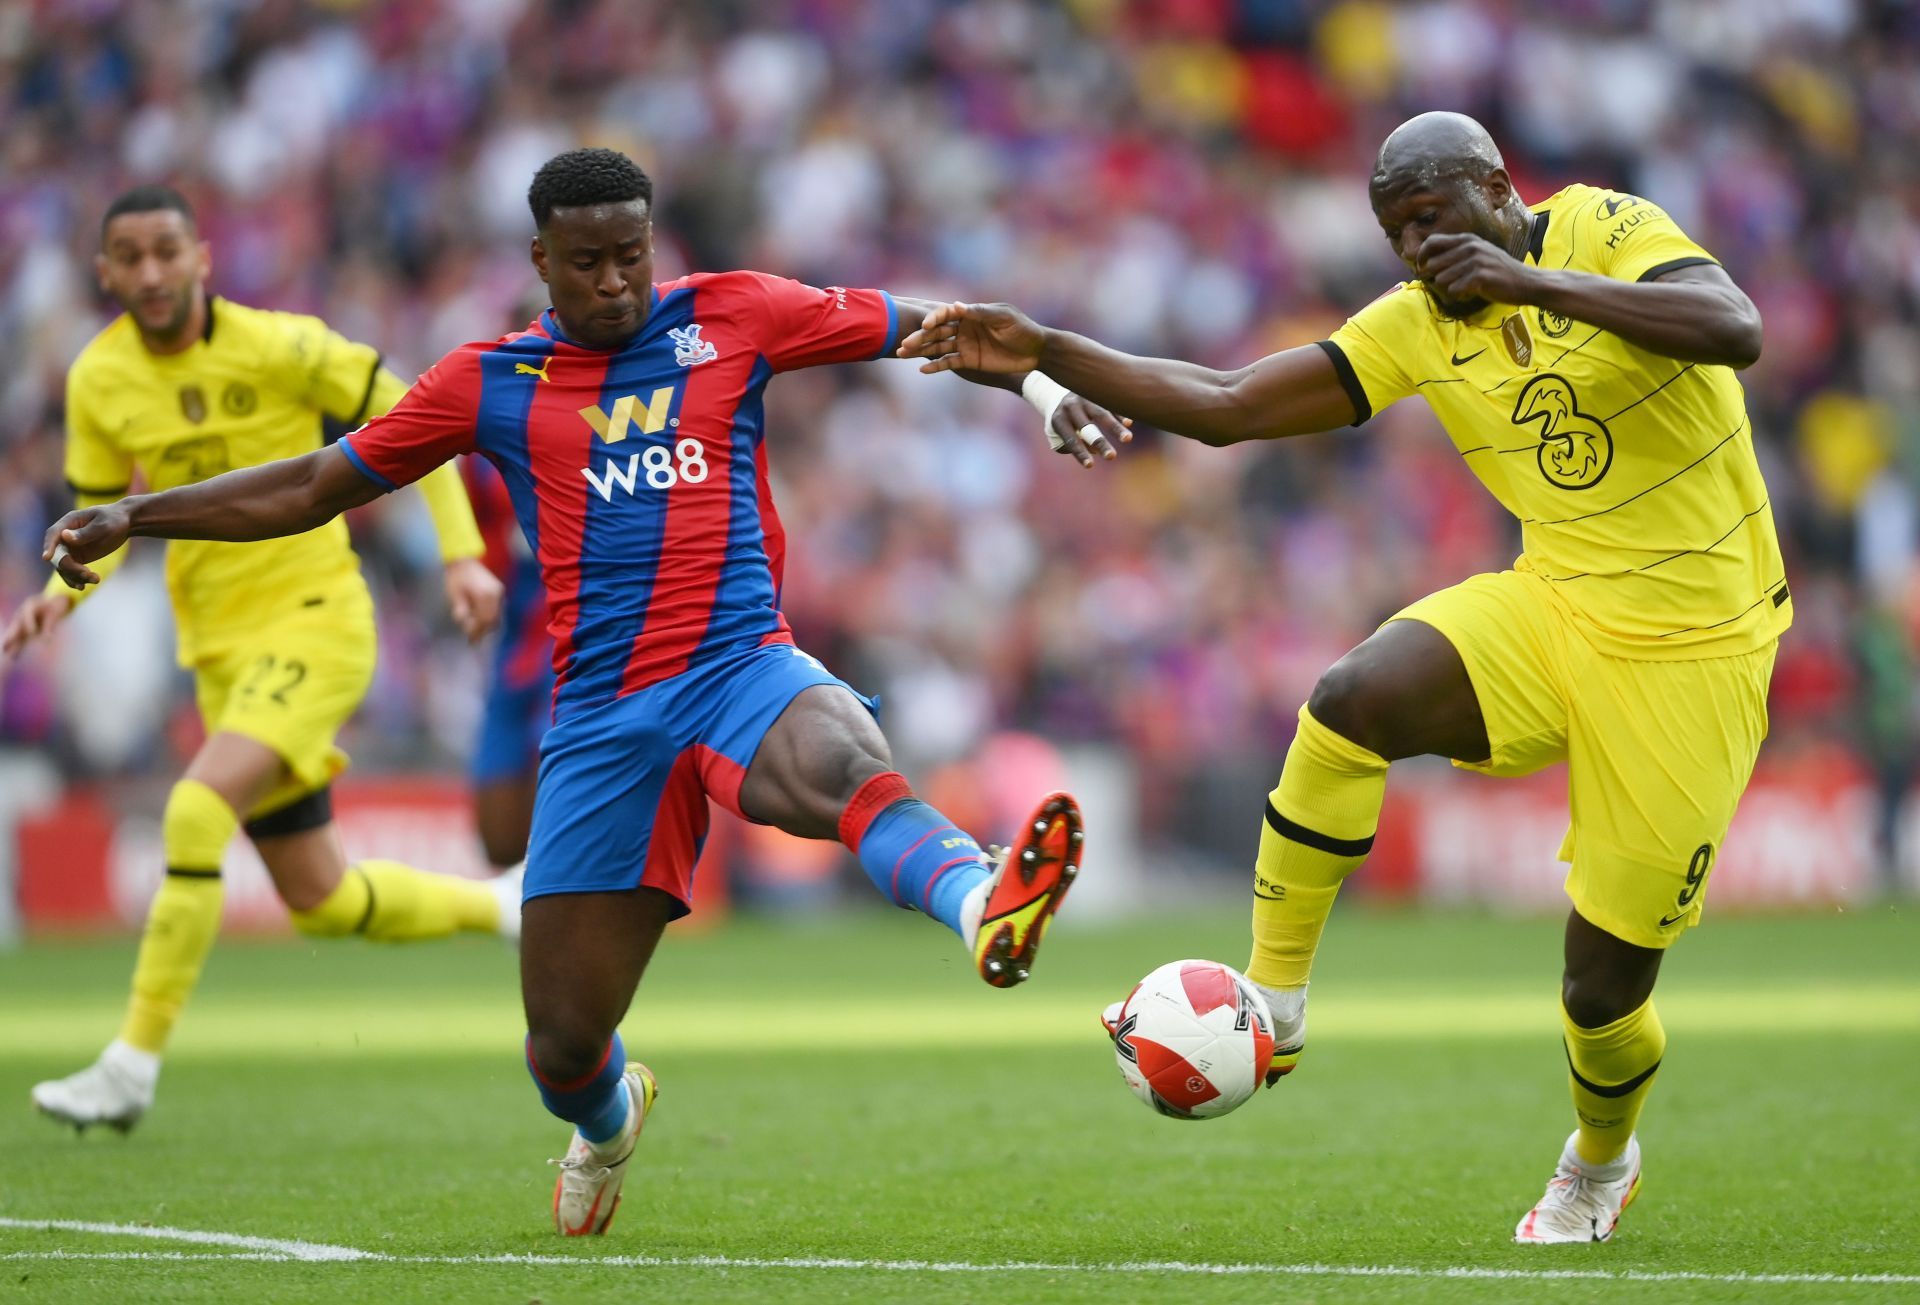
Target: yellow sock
(185,914)
(391,902)
(1320,825)
(1611,1070)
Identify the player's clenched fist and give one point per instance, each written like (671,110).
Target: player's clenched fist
(474,597)
(995,338)
(83,536)
(1464,267)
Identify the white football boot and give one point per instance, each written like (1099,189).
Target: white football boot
(114,1090)
(587,1192)
(1288,1006)
(507,887)
(1583,1202)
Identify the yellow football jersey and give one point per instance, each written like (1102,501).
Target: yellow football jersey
(251,390)
(1632,475)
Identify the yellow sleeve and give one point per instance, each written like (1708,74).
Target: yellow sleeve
(1368,351)
(95,464)
(442,488)
(452,513)
(316,365)
(386,390)
(98,471)
(1628,238)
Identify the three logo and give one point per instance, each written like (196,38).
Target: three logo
(1576,448)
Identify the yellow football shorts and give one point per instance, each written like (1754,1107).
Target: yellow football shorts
(291,685)
(1657,752)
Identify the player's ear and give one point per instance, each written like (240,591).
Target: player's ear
(100,273)
(1499,187)
(539,255)
(204,250)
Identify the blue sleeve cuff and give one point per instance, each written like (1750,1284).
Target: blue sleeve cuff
(893,327)
(345,445)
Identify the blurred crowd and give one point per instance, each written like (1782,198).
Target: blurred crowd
(1183,177)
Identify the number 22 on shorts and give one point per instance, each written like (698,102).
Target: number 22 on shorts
(274,677)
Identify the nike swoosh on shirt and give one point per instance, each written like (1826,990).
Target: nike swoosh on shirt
(1458,361)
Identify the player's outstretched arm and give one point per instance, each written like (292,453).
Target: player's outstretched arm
(1076,426)
(264,502)
(1294,392)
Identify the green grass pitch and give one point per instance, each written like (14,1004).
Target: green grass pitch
(849,1092)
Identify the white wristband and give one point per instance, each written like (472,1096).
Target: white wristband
(1045,394)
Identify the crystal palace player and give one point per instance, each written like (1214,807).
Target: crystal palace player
(1581,355)
(627,422)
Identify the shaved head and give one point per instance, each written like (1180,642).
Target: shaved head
(1433,148)
(1441,173)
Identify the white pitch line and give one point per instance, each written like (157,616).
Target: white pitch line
(283,1247)
(283,1250)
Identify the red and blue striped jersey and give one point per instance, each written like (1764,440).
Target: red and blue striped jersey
(639,475)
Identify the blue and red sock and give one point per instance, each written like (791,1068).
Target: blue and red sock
(597,1104)
(916,856)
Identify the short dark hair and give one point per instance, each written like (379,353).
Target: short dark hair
(586,176)
(152,198)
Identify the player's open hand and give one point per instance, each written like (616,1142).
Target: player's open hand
(33,619)
(1463,267)
(474,596)
(995,338)
(83,536)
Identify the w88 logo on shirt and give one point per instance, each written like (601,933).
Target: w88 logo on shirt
(657,467)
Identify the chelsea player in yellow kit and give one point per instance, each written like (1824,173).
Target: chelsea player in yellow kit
(1581,355)
(279,634)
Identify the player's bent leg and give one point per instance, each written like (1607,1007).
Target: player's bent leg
(1614,1045)
(1403,692)
(582,955)
(823,770)
(385,901)
(389,901)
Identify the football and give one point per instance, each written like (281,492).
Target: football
(1193,1039)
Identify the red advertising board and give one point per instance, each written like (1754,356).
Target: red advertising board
(85,866)
(1445,837)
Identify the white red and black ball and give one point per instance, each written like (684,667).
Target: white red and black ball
(1194,1039)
